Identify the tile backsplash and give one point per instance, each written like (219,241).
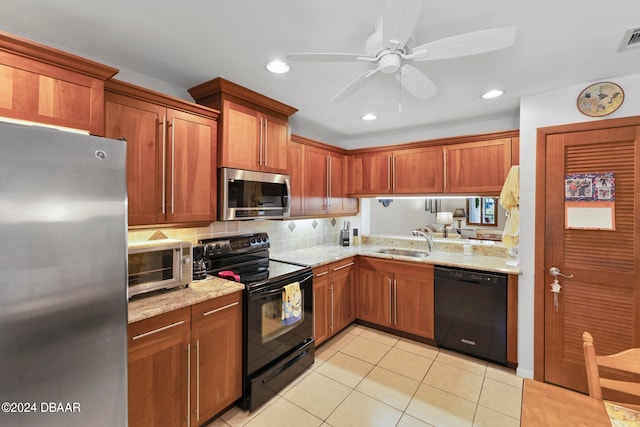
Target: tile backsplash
(285,235)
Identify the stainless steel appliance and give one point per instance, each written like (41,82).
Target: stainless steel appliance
(63,291)
(250,195)
(471,312)
(159,264)
(278,313)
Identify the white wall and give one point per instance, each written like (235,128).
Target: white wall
(536,111)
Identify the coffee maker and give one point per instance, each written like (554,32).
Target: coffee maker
(199,263)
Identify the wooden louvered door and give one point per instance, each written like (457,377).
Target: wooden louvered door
(603,296)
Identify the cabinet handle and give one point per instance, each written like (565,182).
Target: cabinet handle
(266,141)
(188,412)
(388,172)
(322,274)
(395,302)
(173,165)
(343,266)
(220,308)
(164,163)
(395,164)
(444,168)
(155,331)
(198,380)
(331,287)
(390,303)
(260,142)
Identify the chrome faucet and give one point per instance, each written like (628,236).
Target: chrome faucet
(428,236)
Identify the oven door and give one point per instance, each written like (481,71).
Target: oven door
(278,320)
(152,268)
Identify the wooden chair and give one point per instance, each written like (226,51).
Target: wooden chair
(626,362)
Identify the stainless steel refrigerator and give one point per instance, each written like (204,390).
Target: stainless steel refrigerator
(63,268)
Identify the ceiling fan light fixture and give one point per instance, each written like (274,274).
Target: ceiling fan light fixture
(494,93)
(277,66)
(369,117)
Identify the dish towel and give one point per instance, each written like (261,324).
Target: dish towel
(291,303)
(510,201)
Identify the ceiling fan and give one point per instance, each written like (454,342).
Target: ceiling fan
(390,49)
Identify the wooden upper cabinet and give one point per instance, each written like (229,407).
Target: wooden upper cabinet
(49,86)
(171,146)
(475,164)
(418,170)
(295,161)
(477,167)
(254,129)
(372,173)
(403,171)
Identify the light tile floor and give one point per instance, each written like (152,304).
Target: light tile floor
(363,377)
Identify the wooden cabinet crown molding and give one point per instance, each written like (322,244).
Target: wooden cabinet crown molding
(32,50)
(133,91)
(219,86)
(317,144)
(440,141)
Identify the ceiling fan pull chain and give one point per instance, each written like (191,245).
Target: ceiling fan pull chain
(400,92)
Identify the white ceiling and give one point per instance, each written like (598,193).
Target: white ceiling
(559,43)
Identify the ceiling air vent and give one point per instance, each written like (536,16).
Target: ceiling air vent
(630,40)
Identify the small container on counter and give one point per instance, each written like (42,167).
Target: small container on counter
(356,238)
(467,249)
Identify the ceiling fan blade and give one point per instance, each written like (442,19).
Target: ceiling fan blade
(465,44)
(398,22)
(353,86)
(416,83)
(329,57)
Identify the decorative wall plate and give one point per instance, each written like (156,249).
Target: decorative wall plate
(600,99)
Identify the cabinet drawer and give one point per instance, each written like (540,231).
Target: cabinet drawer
(204,310)
(154,329)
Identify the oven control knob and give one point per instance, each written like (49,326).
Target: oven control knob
(186,260)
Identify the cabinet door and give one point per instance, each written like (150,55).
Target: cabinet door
(342,282)
(374,295)
(413,305)
(338,201)
(158,370)
(140,123)
(295,162)
(320,304)
(479,167)
(275,135)
(315,181)
(191,177)
(240,138)
(216,358)
(372,173)
(418,170)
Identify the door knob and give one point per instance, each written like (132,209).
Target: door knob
(555,272)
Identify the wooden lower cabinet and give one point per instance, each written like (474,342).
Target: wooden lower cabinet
(397,295)
(185,366)
(216,356)
(158,370)
(334,292)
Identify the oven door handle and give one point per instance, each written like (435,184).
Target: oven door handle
(253,295)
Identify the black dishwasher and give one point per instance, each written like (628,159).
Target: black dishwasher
(471,312)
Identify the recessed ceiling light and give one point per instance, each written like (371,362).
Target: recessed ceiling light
(277,66)
(492,94)
(369,116)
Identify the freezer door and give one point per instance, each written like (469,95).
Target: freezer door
(63,275)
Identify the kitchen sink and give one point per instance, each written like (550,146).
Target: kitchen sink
(404,252)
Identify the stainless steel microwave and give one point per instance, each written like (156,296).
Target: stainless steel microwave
(252,195)
(159,264)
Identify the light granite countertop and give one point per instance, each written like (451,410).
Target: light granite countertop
(142,307)
(487,256)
